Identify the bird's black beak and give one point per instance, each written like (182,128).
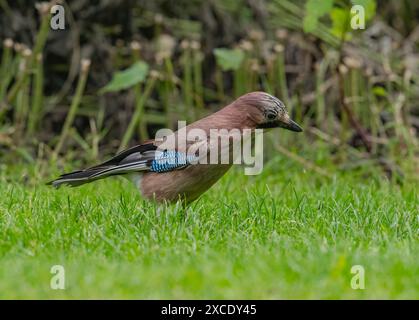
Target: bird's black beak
(290,125)
(285,123)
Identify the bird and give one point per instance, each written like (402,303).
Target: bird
(168,175)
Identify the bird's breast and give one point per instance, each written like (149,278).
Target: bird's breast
(186,184)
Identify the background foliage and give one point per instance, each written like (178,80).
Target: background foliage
(150,63)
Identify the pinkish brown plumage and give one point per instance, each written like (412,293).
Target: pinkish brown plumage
(187,181)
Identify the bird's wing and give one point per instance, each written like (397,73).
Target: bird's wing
(134,154)
(145,157)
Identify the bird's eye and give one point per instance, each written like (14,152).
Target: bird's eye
(271,116)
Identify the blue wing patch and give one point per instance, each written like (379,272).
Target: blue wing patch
(169,160)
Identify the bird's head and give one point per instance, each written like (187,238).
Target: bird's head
(266,111)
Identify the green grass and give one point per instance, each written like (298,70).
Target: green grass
(287,233)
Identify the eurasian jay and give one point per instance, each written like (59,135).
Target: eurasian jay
(169,175)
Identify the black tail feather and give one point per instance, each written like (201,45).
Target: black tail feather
(77,178)
(132,160)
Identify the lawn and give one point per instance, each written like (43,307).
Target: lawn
(287,233)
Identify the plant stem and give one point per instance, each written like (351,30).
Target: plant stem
(84,71)
(197,77)
(37,89)
(282,79)
(138,111)
(219,83)
(187,83)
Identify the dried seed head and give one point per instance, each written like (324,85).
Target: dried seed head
(185,44)
(165,44)
(85,65)
(246,45)
(195,45)
(174,79)
(160,57)
(27,52)
(279,48)
(256,35)
(343,69)
(281,34)
(43,7)
(8,43)
(23,63)
(352,62)
(392,77)
(158,18)
(254,65)
(18,47)
(412,63)
(135,45)
(154,74)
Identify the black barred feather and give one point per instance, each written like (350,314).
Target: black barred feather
(137,159)
(133,159)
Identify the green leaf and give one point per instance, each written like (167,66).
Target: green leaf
(229,59)
(340,22)
(379,91)
(127,78)
(315,9)
(370,7)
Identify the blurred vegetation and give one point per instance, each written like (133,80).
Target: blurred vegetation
(122,69)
